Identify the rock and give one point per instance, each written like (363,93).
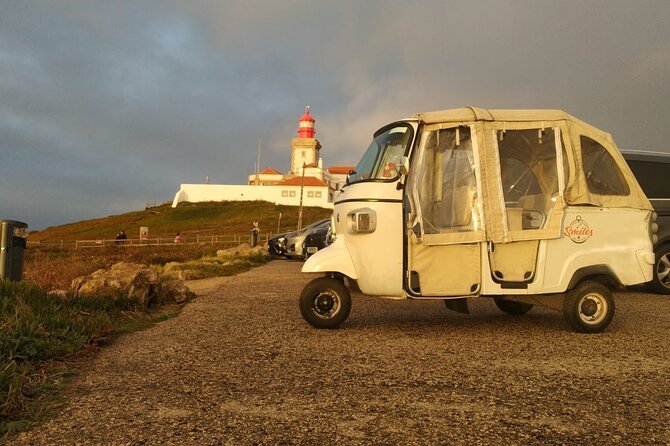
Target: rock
(173,291)
(123,279)
(135,281)
(243,250)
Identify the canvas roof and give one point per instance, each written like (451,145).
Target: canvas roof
(468,114)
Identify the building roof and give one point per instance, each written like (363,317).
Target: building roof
(340,170)
(298,181)
(270,171)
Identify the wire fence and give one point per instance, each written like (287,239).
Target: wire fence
(224,240)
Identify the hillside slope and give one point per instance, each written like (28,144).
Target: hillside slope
(214,218)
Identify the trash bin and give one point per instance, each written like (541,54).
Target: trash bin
(12,247)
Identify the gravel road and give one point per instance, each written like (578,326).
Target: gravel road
(239,366)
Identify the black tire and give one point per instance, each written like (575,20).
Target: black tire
(512,307)
(589,308)
(661,281)
(325,302)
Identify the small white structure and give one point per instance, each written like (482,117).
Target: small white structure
(307,177)
(314,191)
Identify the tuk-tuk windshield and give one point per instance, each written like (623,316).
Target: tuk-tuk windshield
(380,159)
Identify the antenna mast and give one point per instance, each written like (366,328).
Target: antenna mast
(258,164)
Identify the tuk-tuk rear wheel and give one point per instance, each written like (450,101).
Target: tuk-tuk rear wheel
(589,308)
(325,302)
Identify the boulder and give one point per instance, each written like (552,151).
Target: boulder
(171,290)
(131,280)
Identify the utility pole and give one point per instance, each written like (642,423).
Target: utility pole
(302,186)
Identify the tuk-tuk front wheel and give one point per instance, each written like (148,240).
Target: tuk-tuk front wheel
(589,308)
(325,302)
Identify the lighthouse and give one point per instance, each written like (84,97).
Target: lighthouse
(307,181)
(305,148)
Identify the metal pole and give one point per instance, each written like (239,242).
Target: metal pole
(302,186)
(258,164)
(5,247)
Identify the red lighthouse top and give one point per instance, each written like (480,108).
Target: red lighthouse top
(306,125)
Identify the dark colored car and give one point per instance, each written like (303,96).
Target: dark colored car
(652,170)
(316,240)
(277,245)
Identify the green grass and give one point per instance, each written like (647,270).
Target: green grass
(35,330)
(41,335)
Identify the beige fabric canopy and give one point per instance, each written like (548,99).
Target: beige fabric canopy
(576,189)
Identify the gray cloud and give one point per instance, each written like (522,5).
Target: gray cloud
(105,106)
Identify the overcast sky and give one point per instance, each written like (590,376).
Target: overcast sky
(108,105)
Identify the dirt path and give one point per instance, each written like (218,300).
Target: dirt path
(239,366)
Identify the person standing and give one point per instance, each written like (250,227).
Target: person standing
(254,233)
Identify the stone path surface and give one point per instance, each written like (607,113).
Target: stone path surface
(239,366)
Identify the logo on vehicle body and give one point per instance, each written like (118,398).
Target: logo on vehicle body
(578,230)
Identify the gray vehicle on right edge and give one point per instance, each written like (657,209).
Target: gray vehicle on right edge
(652,170)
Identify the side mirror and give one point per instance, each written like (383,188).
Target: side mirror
(403,166)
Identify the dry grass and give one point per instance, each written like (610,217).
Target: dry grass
(190,219)
(55,268)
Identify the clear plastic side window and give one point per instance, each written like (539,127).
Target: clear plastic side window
(445,182)
(529,173)
(603,176)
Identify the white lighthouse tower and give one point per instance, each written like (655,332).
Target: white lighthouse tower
(305,148)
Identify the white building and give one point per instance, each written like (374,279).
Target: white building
(319,186)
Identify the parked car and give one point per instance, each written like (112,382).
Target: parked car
(295,239)
(652,170)
(316,240)
(290,244)
(277,245)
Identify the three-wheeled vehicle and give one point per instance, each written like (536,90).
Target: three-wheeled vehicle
(527,207)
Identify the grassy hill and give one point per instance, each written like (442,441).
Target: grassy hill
(213,218)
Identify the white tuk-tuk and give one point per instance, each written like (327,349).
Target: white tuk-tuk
(529,207)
